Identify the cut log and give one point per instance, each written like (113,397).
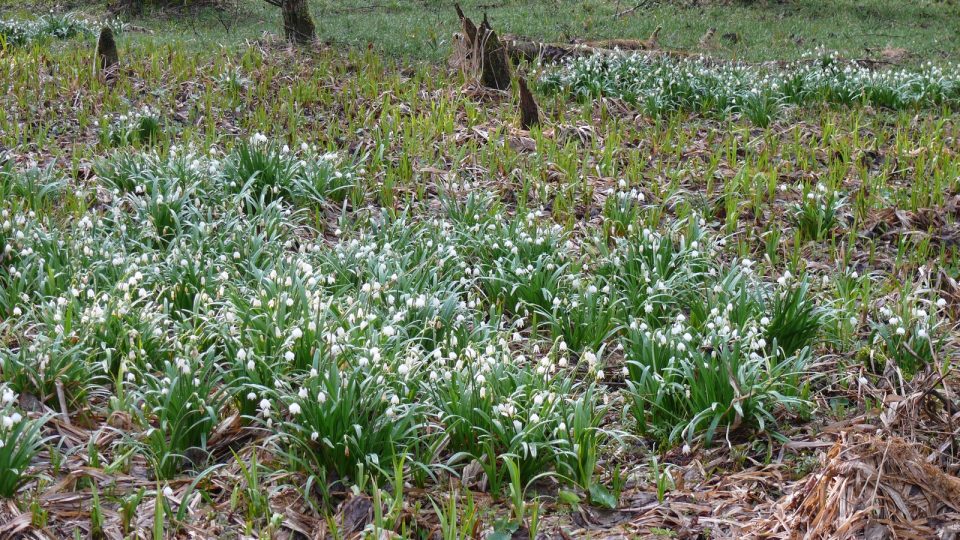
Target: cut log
(529,112)
(108,58)
(521,49)
(648,44)
(298,26)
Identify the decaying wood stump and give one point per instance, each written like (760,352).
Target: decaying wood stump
(108,58)
(529,112)
(298,26)
(707,40)
(494,62)
(485,52)
(469,29)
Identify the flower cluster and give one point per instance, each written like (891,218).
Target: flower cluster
(909,333)
(19,33)
(661,84)
(817,211)
(19,442)
(141,127)
(200,287)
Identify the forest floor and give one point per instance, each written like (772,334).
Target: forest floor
(254,290)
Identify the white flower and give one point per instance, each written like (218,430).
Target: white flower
(289,356)
(167,491)
(296,333)
(294,409)
(941,303)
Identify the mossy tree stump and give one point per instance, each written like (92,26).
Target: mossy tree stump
(108,58)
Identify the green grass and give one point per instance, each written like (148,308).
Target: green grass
(764,30)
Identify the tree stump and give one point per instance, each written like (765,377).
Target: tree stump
(484,52)
(108,58)
(298,26)
(529,112)
(495,65)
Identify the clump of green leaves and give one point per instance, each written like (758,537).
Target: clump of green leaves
(20,441)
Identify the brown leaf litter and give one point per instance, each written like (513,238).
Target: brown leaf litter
(869,486)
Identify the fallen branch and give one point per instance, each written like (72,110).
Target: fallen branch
(628,11)
(520,48)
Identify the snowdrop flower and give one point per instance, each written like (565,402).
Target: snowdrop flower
(294,409)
